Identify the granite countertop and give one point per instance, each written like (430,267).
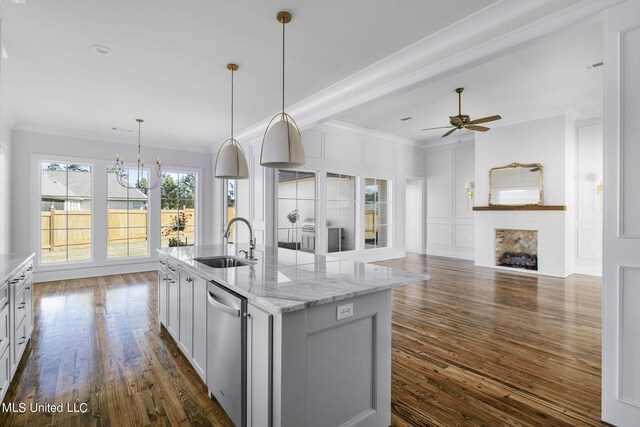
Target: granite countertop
(283,280)
(9,263)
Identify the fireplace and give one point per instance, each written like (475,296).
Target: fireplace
(517,249)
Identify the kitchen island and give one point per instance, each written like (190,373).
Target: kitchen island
(314,345)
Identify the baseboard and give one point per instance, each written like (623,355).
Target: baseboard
(450,254)
(83,272)
(589,270)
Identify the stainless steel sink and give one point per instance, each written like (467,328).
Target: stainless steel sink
(221,261)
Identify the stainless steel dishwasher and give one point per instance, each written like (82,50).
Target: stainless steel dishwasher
(227,351)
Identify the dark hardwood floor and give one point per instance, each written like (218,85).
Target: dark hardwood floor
(471,346)
(477,346)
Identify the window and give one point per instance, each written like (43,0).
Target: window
(231,186)
(65,212)
(341,212)
(376,216)
(297,210)
(127,215)
(178,215)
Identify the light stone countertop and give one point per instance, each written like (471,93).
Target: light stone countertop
(283,280)
(9,263)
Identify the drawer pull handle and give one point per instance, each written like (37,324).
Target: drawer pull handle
(172,269)
(189,280)
(14,281)
(28,287)
(161,262)
(30,268)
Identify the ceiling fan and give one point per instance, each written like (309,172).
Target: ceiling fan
(462,121)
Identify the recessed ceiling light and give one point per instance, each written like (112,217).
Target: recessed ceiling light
(102,50)
(404,119)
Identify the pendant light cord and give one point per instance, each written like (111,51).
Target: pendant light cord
(232,104)
(283,25)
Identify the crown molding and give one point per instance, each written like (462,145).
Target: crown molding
(106,137)
(428,59)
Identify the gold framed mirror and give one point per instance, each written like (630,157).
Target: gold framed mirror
(516,184)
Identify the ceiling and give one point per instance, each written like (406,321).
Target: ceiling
(170,59)
(545,78)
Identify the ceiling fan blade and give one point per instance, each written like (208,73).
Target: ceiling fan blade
(441,127)
(477,128)
(456,121)
(485,120)
(450,132)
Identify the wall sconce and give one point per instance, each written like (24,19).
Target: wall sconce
(599,189)
(469,187)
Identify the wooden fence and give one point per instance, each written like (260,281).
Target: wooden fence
(60,228)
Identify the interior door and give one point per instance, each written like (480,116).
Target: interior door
(621,261)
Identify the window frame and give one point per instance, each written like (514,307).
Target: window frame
(197,230)
(357,213)
(389,205)
(107,228)
(36,206)
(316,190)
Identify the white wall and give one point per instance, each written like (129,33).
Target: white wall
(551,142)
(27,146)
(414,216)
(589,202)
(450,228)
(5,184)
(340,148)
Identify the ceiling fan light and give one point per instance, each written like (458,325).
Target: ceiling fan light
(282,145)
(231,163)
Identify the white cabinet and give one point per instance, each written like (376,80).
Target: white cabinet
(199,353)
(185,330)
(173,321)
(16,318)
(182,309)
(162,291)
(259,360)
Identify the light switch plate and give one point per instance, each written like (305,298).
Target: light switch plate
(345,311)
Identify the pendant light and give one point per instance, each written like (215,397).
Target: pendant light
(122,172)
(231,162)
(282,144)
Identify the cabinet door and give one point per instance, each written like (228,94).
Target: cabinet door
(173,303)
(259,359)
(185,337)
(199,360)
(162,297)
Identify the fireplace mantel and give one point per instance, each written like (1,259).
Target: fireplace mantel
(521,208)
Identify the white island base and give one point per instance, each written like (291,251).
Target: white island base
(318,334)
(329,372)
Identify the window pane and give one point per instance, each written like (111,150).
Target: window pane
(65,212)
(376,213)
(178,214)
(127,216)
(296,203)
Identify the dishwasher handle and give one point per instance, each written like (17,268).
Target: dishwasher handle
(222,307)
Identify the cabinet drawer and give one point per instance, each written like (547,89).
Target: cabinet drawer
(4,328)
(172,268)
(5,373)
(162,263)
(21,342)
(20,309)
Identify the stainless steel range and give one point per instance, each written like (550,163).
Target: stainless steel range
(308,235)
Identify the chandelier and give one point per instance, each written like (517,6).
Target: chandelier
(122,172)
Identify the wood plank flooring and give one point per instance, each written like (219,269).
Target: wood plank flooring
(471,346)
(476,346)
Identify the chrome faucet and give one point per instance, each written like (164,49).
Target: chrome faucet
(252,240)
